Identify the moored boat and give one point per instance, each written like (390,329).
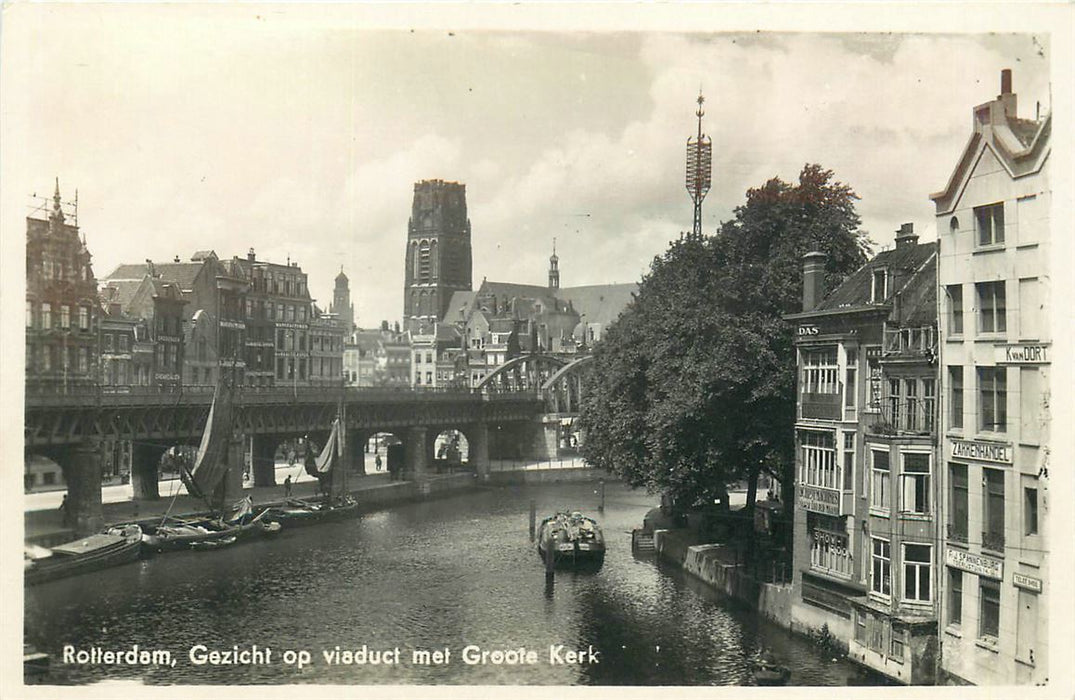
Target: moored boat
(297,512)
(209,532)
(117,545)
(571,540)
(767,671)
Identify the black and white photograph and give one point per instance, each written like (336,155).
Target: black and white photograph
(476,349)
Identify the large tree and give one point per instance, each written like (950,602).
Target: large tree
(693,387)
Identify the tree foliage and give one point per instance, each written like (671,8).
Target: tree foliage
(693,387)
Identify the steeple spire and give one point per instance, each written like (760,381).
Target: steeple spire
(554,268)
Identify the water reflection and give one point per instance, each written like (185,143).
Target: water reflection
(441,574)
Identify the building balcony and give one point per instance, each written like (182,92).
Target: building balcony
(822,406)
(905,419)
(910,343)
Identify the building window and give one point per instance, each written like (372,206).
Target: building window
(958,505)
(817,464)
(894,402)
(915,486)
(993,510)
(990,222)
(880,476)
(955,596)
(917,563)
(46,316)
(820,372)
(849,460)
(108,342)
(84,360)
(929,400)
(83,318)
(1030,511)
(955,403)
(989,614)
(992,307)
(860,627)
(881,571)
(29,314)
(911,393)
(896,648)
(850,386)
(955,309)
(880,286)
(993,399)
(829,545)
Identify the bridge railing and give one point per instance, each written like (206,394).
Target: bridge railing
(112,395)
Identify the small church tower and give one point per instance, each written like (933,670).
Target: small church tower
(341,302)
(554,268)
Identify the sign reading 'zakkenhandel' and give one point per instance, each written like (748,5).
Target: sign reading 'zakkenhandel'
(984,566)
(998,452)
(819,500)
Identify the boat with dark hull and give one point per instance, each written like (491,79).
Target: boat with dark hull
(114,546)
(335,504)
(766,671)
(209,532)
(297,512)
(571,540)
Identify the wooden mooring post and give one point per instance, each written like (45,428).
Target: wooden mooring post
(533,518)
(601,506)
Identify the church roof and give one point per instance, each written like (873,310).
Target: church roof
(599,303)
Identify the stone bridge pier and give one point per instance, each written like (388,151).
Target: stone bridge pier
(81,466)
(263,459)
(145,470)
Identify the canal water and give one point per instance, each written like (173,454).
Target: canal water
(444,574)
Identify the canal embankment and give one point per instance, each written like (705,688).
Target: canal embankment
(715,564)
(372,491)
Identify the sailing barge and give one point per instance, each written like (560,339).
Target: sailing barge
(117,545)
(297,512)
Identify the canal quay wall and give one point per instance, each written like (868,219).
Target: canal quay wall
(715,565)
(372,491)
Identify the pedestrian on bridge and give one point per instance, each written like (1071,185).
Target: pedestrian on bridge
(377,462)
(66,511)
(287,487)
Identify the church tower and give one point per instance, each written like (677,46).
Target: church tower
(438,260)
(554,268)
(341,302)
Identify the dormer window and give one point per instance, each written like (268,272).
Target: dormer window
(880,286)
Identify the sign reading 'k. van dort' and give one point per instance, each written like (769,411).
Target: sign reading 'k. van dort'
(1022,354)
(983,566)
(997,452)
(819,500)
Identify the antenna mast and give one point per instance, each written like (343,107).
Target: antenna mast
(699,166)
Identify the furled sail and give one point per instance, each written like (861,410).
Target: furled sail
(211,463)
(324,462)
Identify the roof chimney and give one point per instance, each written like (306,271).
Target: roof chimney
(1006,96)
(813,279)
(906,236)
(250,255)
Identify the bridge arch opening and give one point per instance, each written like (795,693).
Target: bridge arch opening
(451,451)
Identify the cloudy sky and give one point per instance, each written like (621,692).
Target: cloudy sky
(186,130)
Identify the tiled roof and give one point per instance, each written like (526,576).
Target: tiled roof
(856,290)
(460,301)
(181,273)
(122,291)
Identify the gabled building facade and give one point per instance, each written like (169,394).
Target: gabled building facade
(995,349)
(857,548)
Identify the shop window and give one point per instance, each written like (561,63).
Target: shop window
(881,569)
(817,461)
(989,613)
(829,545)
(955,597)
(914,489)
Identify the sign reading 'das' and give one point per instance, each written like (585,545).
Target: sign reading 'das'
(983,566)
(808,330)
(998,452)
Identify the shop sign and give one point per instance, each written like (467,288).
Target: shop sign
(808,330)
(1028,582)
(819,500)
(997,452)
(983,566)
(1022,354)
